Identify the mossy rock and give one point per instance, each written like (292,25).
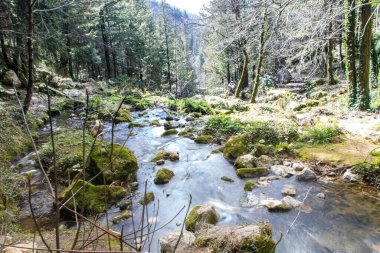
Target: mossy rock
(203,139)
(253,238)
(187,135)
(123,116)
(262,149)
(147,199)
(245,161)
(170,132)
(125,204)
(252,172)
(124,163)
(237,146)
(127,214)
(94,198)
(227,179)
(135,125)
(163,176)
(250,185)
(166,155)
(155,123)
(200,216)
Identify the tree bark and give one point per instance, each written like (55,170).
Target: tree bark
(365,55)
(167,46)
(261,57)
(29,88)
(330,47)
(374,65)
(105,43)
(350,50)
(243,73)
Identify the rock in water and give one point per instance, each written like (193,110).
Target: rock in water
(245,161)
(289,190)
(350,176)
(168,242)
(274,205)
(163,176)
(306,175)
(200,216)
(240,238)
(252,172)
(282,171)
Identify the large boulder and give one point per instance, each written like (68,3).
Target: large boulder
(11,79)
(124,163)
(201,216)
(94,198)
(166,155)
(241,238)
(168,242)
(236,146)
(245,161)
(264,161)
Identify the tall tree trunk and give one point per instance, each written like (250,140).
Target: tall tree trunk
(374,64)
(243,73)
(330,47)
(261,57)
(228,73)
(350,49)
(365,55)
(105,44)
(29,88)
(167,46)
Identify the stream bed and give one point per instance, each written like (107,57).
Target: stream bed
(346,221)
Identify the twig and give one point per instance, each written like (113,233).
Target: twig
(183,223)
(299,211)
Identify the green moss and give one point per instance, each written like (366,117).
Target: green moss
(262,149)
(237,146)
(252,172)
(163,176)
(122,216)
(187,135)
(123,116)
(261,244)
(165,155)
(227,179)
(195,219)
(135,125)
(249,185)
(94,199)
(155,123)
(124,163)
(147,199)
(170,132)
(203,139)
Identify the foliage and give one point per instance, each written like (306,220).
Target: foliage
(189,105)
(323,134)
(223,125)
(370,173)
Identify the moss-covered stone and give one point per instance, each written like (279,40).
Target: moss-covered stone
(252,172)
(227,179)
(124,163)
(245,161)
(237,146)
(250,185)
(122,216)
(93,198)
(125,204)
(147,199)
(166,155)
(203,139)
(123,116)
(187,135)
(163,176)
(200,216)
(262,149)
(155,123)
(135,125)
(170,132)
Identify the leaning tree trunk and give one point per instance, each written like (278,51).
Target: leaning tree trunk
(243,74)
(29,87)
(261,58)
(365,55)
(350,48)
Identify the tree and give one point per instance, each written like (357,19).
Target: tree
(365,55)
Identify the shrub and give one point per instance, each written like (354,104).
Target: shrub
(323,134)
(223,125)
(370,173)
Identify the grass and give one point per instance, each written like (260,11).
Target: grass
(323,134)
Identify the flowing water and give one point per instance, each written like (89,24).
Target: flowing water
(345,222)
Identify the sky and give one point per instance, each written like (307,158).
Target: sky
(193,6)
